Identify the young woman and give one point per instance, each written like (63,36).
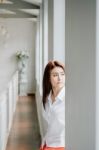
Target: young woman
(54,106)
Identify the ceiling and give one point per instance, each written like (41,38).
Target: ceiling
(19,8)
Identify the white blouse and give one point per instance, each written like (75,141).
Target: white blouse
(54,120)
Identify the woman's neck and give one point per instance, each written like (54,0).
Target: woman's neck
(55,92)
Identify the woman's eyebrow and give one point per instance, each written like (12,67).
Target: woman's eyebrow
(56,72)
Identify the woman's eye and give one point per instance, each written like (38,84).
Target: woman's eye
(55,75)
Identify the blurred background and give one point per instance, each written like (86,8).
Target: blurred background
(65,30)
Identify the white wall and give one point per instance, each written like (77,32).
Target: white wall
(21,37)
(80,65)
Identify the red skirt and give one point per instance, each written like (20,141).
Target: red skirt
(51,148)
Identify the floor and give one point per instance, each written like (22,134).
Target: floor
(24,133)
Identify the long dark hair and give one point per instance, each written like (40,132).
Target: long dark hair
(46,78)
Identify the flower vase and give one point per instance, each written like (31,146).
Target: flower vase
(22,66)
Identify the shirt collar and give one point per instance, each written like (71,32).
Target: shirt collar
(60,96)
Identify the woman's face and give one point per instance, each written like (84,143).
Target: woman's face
(57,77)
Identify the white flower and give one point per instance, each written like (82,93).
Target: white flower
(22,54)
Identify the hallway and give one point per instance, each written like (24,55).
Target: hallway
(24,134)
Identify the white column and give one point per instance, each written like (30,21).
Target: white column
(37,61)
(97,75)
(56,30)
(81,74)
(39,65)
(59,30)
(50,29)
(45,30)
(39,50)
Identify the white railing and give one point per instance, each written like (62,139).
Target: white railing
(8,101)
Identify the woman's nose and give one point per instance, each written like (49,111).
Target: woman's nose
(59,77)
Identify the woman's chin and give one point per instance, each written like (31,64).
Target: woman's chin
(61,86)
